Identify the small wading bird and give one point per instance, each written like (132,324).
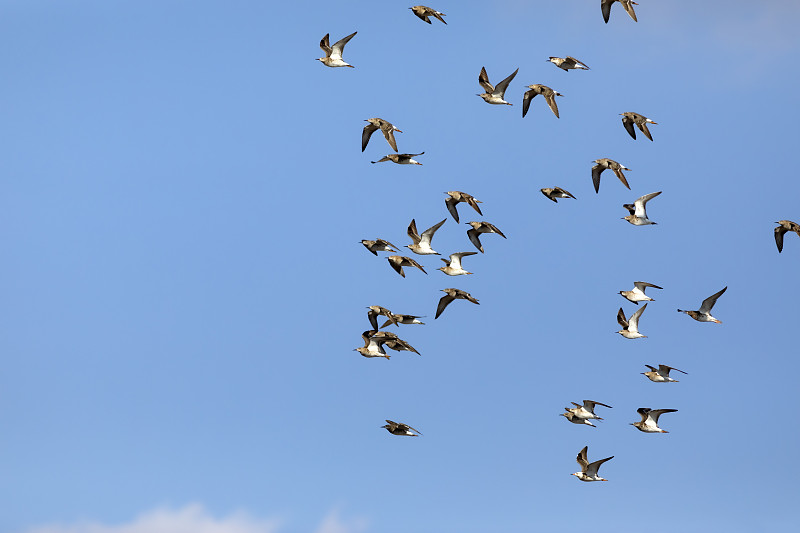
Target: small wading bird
(638,213)
(556,192)
(661,375)
(568,63)
(630,327)
(373,347)
(569,415)
(378,245)
(375,311)
(589,470)
(398,428)
(424,12)
(477,229)
(649,421)
(400,159)
(586,410)
(386,127)
(333,54)
(452,294)
(605,164)
(457,197)
(704,313)
(637,294)
(629,119)
(421,244)
(605,7)
(785,225)
(400,261)
(494,94)
(453,265)
(394,342)
(403,319)
(548,93)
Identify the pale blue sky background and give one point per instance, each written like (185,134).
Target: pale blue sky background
(183,195)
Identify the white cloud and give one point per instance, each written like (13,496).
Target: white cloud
(193,518)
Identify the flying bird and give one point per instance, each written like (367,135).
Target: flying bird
(403,319)
(586,411)
(605,7)
(477,229)
(386,127)
(333,54)
(400,159)
(629,119)
(424,12)
(548,93)
(785,225)
(661,374)
(398,428)
(605,164)
(638,214)
(649,421)
(630,327)
(453,265)
(373,347)
(589,470)
(572,417)
(452,294)
(421,244)
(378,245)
(457,197)
(394,342)
(494,94)
(400,261)
(704,313)
(637,294)
(568,63)
(556,192)
(375,311)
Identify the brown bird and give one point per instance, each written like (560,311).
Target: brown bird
(400,261)
(403,319)
(785,225)
(378,245)
(548,93)
(704,313)
(477,229)
(629,119)
(494,94)
(605,164)
(568,63)
(386,127)
(400,159)
(424,12)
(589,470)
(333,54)
(456,197)
(398,428)
(605,7)
(649,421)
(555,193)
(453,294)
(375,311)
(373,346)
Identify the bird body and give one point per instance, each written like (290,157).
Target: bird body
(661,374)
(568,63)
(548,94)
(398,428)
(649,421)
(630,327)
(555,193)
(704,313)
(494,94)
(386,127)
(400,159)
(572,417)
(378,245)
(637,294)
(333,54)
(373,347)
(477,229)
(589,470)
(452,294)
(586,411)
(785,225)
(456,197)
(606,164)
(641,121)
(421,244)
(400,261)
(638,213)
(453,265)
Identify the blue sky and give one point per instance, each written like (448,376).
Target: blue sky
(183,196)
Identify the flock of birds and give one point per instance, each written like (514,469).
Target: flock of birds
(376,339)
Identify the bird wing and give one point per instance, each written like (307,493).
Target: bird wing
(779,231)
(373,319)
(605,7)
(633,326)
(652,368)
(665,368)
(483,80)
(596,171)
(474,237)
(621,319)
(709,302)
(551,101)
(641,285)
(338,48)
(369,129)
(629,8)
(500,89)
(628,123)
(385,243)
(582,459)
(439,15)
(412,232)
(467,296)
(455,259)
(494,229)
(325,44)
(451,203)
(591,468)
(397,265)
(577,62)
(443,302)
(427,235)
(411,262)
(473,203)
(655,413)
(589,404)
(407,427)
(564,191)
(645,130)
(526,101)
(389,134)
(641,201)
(621,176)
(643,412)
